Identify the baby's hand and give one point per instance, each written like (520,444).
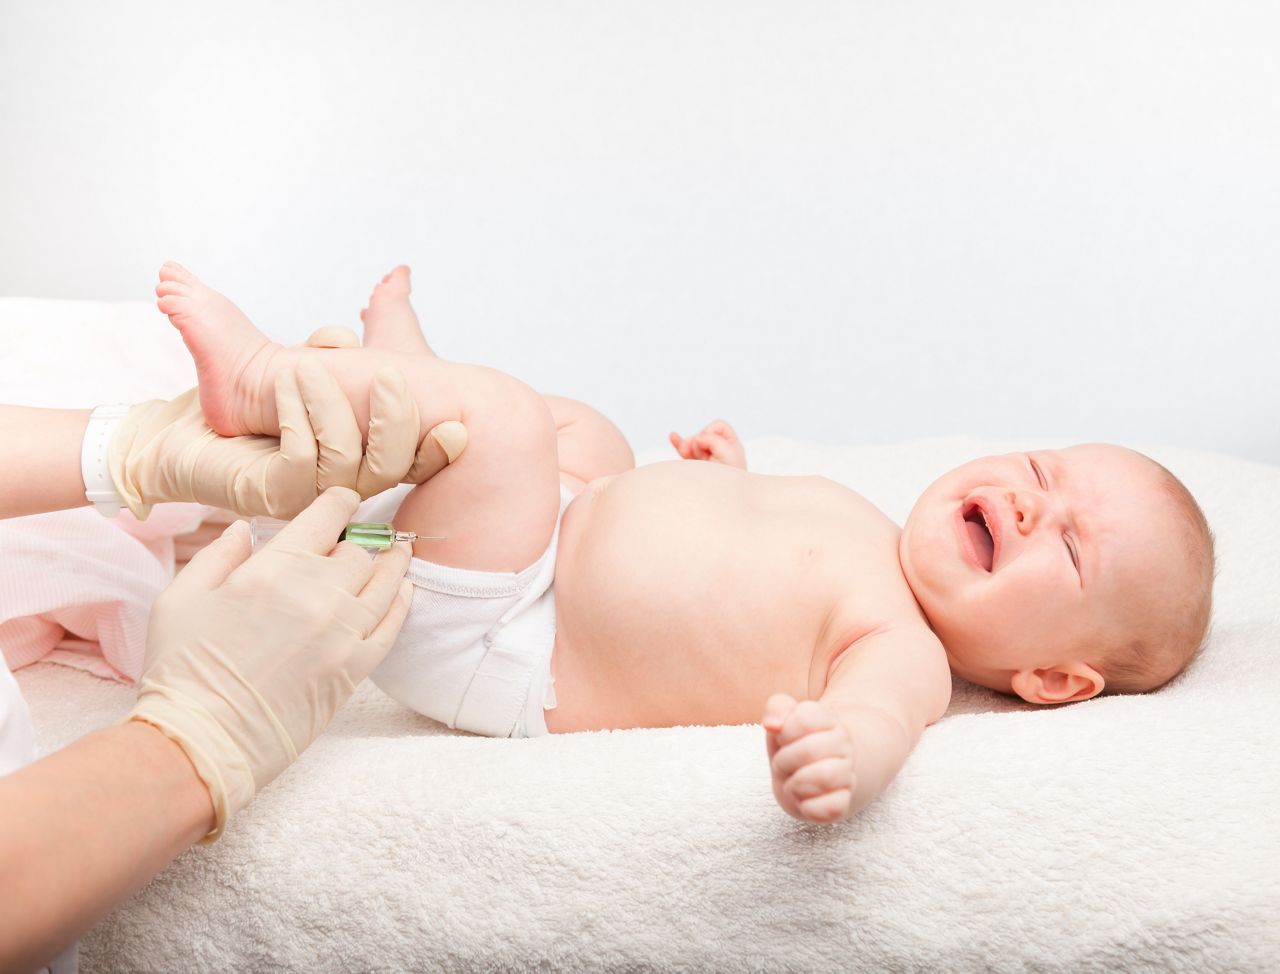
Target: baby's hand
(717,442)
(811,758)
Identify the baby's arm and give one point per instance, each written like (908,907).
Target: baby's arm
(831,757)
(717,442)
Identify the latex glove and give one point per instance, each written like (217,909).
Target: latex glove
(164,451)
(333,336)
(248,658)
(450,436)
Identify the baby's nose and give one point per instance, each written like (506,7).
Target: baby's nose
(1027,509)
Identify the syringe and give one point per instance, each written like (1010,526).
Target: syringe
(373,536)
(368,534)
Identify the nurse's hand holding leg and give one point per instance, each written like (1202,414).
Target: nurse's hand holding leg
(247,660)
(165,451)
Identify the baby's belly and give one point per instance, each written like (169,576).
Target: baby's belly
(682,597)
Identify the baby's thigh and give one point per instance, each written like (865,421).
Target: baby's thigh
(495,507)
(587,442)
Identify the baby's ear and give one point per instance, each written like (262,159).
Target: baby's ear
(1068,683)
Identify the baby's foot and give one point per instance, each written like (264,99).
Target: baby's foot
(231,355)
(389,321)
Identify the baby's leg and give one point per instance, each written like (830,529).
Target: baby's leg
(390,321)
(496,504)
(237,364)
(588,444)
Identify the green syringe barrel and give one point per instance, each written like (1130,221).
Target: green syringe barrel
(368,534)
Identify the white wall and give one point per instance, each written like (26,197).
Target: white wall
(845,221)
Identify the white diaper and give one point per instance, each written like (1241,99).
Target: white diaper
(475,651)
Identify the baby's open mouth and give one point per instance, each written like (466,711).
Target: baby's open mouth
(975,522)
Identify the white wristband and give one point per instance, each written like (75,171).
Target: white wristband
(98,486)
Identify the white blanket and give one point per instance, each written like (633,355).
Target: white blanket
(1134,832)
(1137,833)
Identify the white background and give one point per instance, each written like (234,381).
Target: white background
(848,222)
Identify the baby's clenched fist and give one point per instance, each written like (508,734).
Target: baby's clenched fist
(718,442)
(810,757)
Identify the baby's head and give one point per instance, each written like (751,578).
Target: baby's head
(1057,574)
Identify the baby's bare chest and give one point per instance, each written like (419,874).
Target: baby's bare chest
(680,577)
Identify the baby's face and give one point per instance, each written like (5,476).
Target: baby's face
(1030,560)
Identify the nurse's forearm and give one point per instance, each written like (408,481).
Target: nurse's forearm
(40,459)
(83,828)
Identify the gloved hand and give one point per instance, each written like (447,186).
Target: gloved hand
(248,658)
(450,436)
(164,451)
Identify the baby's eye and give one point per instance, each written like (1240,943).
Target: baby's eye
(1035,469)
(1072,552)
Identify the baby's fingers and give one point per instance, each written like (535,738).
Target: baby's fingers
(776,710)
(810,748)
(808,718)
(710,446)
(682,445)
(829,774)
(827,808)
(721,429)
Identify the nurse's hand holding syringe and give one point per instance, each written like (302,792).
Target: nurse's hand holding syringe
(249,658)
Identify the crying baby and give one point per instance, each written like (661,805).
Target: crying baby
(578,592)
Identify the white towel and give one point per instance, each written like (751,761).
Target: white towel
(1124,833)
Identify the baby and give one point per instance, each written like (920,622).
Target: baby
(573,591)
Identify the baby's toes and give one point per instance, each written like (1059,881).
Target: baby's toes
(166,288)
(397,280)
(175,304)
(173,271)
(175,298)
(392,288)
